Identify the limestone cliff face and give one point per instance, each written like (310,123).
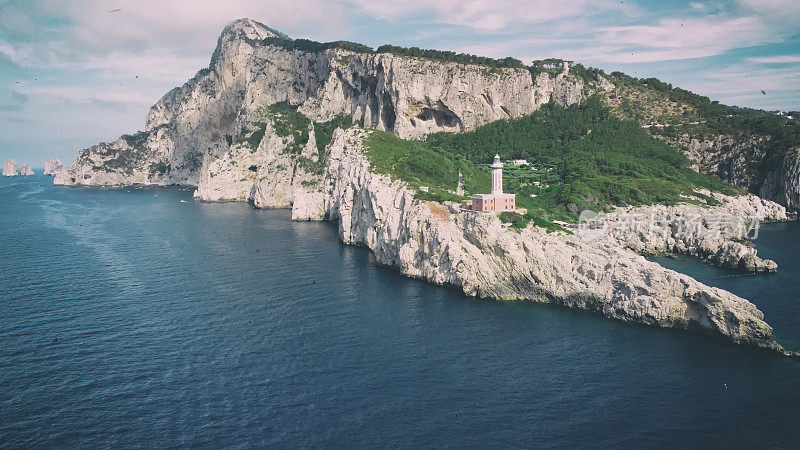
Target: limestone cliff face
(192,132)
(25,170)
(744,163)
(782,182)
(266,175)
(474,252)
(10,168)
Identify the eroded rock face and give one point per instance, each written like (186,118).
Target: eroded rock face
(25,170)
(267,175)
(308,205)
(720,235)
(782,183)
(194,129)
(474,252)
(742,162)
(53,166)
(10,168)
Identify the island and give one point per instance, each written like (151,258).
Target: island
(397,147)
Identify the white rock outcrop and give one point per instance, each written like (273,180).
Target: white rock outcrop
(53,166)
(10,168)
(720,234)
(25,170)
(308,205)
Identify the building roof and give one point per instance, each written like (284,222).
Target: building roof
(491,196)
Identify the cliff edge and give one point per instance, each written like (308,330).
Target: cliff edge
(282,123)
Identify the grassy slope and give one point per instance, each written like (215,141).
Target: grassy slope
(647,101)
(288,122)
(581,157)
(590,156)
(650,101)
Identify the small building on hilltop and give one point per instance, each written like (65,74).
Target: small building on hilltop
(497,200)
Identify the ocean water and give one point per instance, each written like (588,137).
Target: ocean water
(130,318)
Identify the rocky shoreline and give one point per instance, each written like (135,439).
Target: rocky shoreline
(479,255)
(217,133)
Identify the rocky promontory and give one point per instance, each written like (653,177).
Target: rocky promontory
(193,131)
(720,235)
(476,253)
(263,124)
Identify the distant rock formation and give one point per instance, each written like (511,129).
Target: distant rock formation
(25,170)
(10,168)
(53,166)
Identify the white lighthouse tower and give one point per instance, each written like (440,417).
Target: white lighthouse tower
(496,201)
(497,176)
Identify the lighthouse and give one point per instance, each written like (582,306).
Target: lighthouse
(497,176)
(497,200)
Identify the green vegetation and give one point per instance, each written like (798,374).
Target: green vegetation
(254,138)
(135,140)
(448,56)
(680,112)
(552,66)
(323,131)
(581,157)
(718,118)
(416,163)
(309,46)
(288,122)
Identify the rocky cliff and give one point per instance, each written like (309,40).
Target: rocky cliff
(476,253)
(721,235)
(782,181)
(193,132)
(10,168)
(745,162)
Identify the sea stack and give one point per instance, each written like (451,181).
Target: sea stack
(25,170)
(53,166)
(10,168)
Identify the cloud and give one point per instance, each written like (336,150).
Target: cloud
(98,71)
(14,101)
(672,39)
(42,34)
(780,59)
(500,16)
(668,39)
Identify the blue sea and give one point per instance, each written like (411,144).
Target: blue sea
(130,318)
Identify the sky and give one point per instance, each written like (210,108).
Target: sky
(75,73)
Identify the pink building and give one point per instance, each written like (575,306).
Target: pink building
(497,200)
